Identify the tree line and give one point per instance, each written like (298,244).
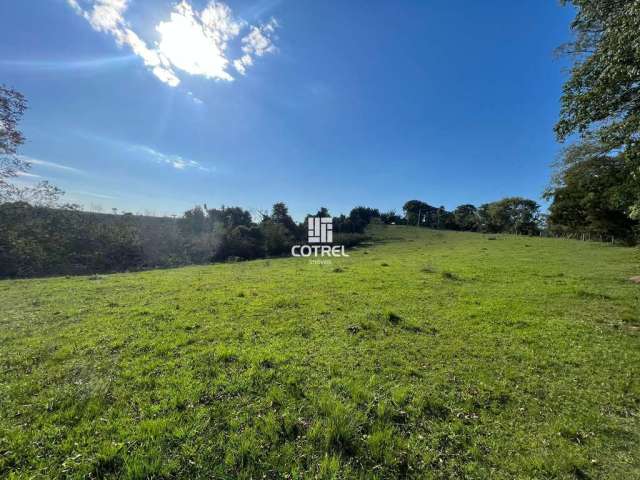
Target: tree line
(515,215)
(39,240)
(594,193)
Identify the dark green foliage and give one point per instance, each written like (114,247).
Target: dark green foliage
(592,197)
(323,212)
(199,220)
(243,242)
(350,239)
(446,220)
(510,215)
(603,93)
(361,217)
(601,103)
(194,222)
(228,217)
(280,216)
(424,215)
(38,241)
(417,212)
(41,241)
(391,218)
(278,239)
(280,231)
(466,218)
(358,219)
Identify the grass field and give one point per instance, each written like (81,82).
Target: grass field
(424,355)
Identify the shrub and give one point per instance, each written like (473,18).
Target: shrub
(243,242)
(350,240)
(278,239)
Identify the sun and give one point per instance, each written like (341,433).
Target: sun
(192,45)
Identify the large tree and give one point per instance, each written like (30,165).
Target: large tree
(591,197)
(601,99)
(12,107)
(416,212)
(510,215)
(280,215)
(466,217)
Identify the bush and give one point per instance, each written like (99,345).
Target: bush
(350,239)
(278,239)
(243,242)
(37,241)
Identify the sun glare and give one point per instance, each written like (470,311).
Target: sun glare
(190,40)
(185,45)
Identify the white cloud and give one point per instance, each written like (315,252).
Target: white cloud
(176,161)
(93,194)
(242,63)
(107,15)
(30,175)
(191,41)
(258,41)
(44,163)
(195,99)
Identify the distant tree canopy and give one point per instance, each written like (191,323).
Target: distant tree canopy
(280,216)
(601,104)
(37,241)
(415,212)
(356,221)
(391,218)
(323,212)
(422,214)
(40,241)
(229,217)
(510,215)
(280,231)
(466,217)
(195,221)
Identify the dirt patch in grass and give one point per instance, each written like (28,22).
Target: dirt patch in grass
(450,276)
(392,317)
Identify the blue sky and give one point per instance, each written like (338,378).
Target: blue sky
(312,103)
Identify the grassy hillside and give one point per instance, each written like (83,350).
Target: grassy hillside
(425,355)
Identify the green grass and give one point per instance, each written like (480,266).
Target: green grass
(425,355)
